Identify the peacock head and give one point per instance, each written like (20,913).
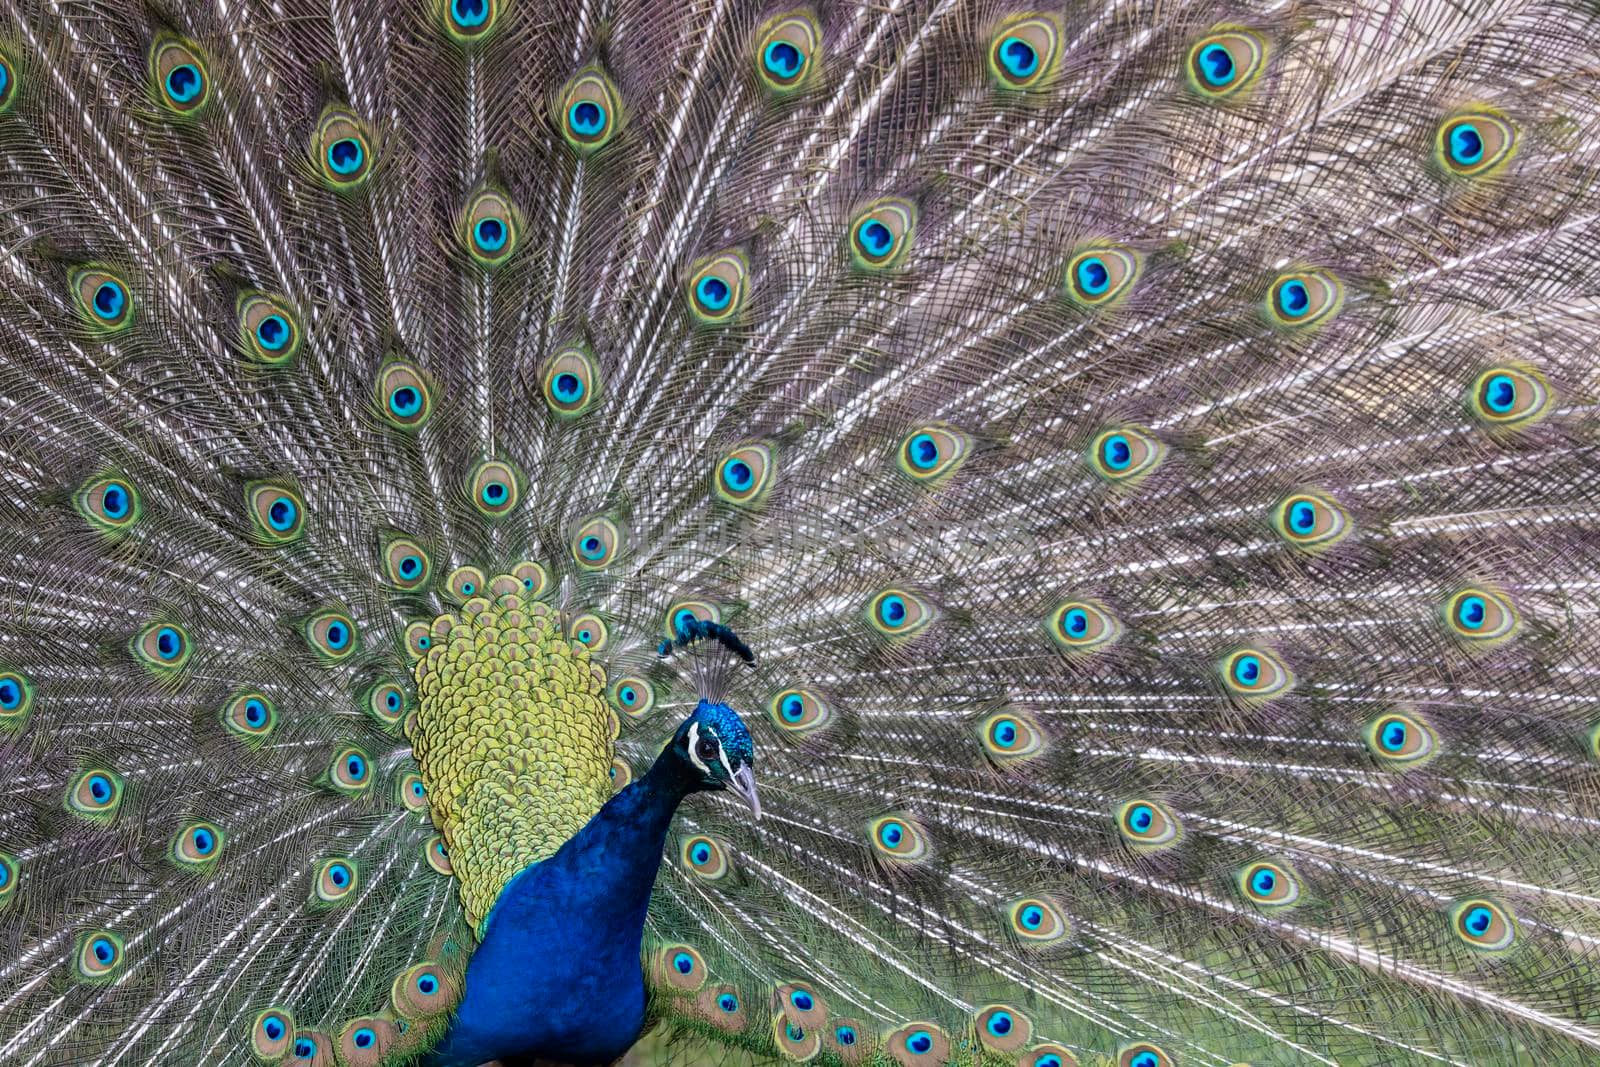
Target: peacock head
(715,744)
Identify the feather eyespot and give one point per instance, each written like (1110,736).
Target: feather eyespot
(331,635)
(1510,397)
(272,1034)
(437,853)
(418,639)
(919,1044)
(1025,52)
(881,233)
(597,543)
(335,880)
(570,381)
(423,991)
(1310,521)
(794,1041)
(681,614)
(590,631)
(716,287)
(10,878)
(1143,1054)
(588,114)
(932,453)
(1225,62)
(412,792)
(1302,299)
(465,583)
(163,647)
(96,794)
(621,774)
(405,399)
(1010,737)
(632,695)
(1481,617)
(1148,824)
(899,838)
(1401,739)
(787,50)
(495,488)
(342,149)
(800,711)
(1047,1056)
(1483,924)
(899,612)
(705,857)
(469,21)
(1474,144)
(722,1007)
(1082,626)
(801,1004)
(1269,885)
(1125,455)
(1101,275)
(1002,1028)
(269,332)
(367,1040)
(533,577)
(490,228)
(16,699)
(277,512)
(101,955)
(197,846)
(744,475)
(681,968)
(1254,675)
(406,564)
(386,702)
(110,504)
(103,299)
(249,716)
(9,81)
(1038,922)
(182,81)
(351,771)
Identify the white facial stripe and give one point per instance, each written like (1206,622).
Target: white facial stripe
(694,743)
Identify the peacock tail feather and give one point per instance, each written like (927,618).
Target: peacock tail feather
(1150,448)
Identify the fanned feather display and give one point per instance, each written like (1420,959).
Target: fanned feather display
(1149,451)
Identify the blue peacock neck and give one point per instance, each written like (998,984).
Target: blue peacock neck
(557,974)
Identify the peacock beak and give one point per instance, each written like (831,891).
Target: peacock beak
(743,783)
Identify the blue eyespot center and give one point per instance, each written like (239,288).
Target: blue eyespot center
(273,332)
(1033,917)
(364,1038)
(1048,1060)
(1093,276)
(304,1049)
(876,238)
(783,59)
(628,694)
(100,788)
(587,118)
(392,700)
(255,713)
(1263,882)
(920,1042)
(1472,612)
(1500,393)
(1000,1023)
(568,388)
(468,588)
(1145,1059)
(339,875)
(184,82)
(203,841)
(419,790)
(424,641)
(1466,144)
(891,834)
(281,514)
(893,610)
(1293,298)
(108,300)
(1117,452)
(1141,818)
(1303,516)
(1394,735)
(103,949)
(1216,64)
(273,1027)
(491,234)
(10,694)
(114,501)
(1076,622)
(1005,733)
(728,1003)
(845,1035)
(683,963)
(405,401)
(469,14)
(356,767)
(495,493)
(713,292)
(1247,670)
(924,451)
(337,635)
(738,474)
(427,984)
(345,155)
(592,547)
(169,643)
(1018,57)
(701,853)
(1478,920)
(793,708)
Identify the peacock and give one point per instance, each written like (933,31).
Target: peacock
(876,533)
